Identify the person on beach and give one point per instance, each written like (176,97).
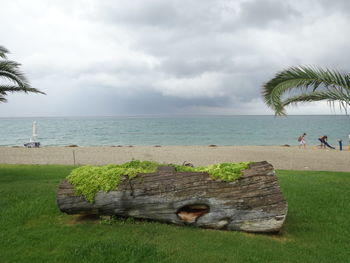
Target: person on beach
(301,140)
(324,143)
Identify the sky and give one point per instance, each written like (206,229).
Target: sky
(141,57)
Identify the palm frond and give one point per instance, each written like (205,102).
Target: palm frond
(3,99)
(9,70)
(332,96)
(8,64)
(4,89)
(12,67)
(318,96)
(15,79)
(300,79)
(3,52)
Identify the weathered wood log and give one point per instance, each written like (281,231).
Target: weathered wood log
(253,203)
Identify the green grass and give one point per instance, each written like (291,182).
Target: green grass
(32,229)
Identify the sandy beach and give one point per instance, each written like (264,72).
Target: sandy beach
(290,158)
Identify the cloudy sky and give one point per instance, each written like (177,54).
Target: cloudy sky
(166,56)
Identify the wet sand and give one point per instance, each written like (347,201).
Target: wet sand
(290,158)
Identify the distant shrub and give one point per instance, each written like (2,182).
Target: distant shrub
(88,180)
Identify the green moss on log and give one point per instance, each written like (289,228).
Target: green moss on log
(88,180)
(227,172)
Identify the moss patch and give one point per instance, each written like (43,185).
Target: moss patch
(227,172)
(88,180)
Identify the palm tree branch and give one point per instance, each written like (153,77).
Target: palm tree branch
(15,79)
(9,71)
(4,89)
(12,67)
(331,96)
(300,78)
(3,52)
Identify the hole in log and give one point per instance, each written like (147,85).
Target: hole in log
(190,213)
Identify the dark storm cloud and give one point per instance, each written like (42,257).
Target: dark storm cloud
(158,13)
(142,103)
(341,6)
(153,103)
(196,16)
(259,13)
(182,67)
(163,56)
(140,13)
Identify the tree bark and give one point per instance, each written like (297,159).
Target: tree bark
(253,203)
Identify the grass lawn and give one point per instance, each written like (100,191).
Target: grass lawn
(32,229)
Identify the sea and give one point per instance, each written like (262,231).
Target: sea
(175,130)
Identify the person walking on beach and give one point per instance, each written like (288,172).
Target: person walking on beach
(301,140)
(324,143)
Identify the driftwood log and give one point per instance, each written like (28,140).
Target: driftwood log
(253,203)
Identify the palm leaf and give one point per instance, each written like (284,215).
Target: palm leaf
(301,79)
(3,52)
(9,70)
(332,96)
(4,89)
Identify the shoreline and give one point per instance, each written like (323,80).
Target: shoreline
(281,157)
(346,146)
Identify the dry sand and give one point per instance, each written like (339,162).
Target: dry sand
(291,158)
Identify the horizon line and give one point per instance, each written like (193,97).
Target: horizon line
(166,115)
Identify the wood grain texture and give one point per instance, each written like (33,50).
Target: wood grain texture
(253,203)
